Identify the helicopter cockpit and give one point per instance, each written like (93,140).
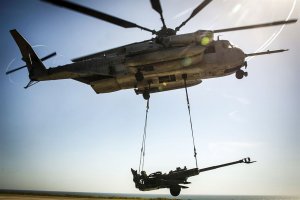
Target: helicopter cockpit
(218,46)
(223,44)
(226,44)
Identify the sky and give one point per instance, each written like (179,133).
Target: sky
(62,136)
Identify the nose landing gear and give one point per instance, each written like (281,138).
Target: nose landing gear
(241,74)
(146,95)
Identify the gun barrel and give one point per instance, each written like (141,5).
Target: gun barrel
(245,160)
(184,173)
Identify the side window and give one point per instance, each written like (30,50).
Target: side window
(226,45)
(210,49)
(170,78)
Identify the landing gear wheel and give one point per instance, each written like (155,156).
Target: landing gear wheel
(146,95)
(139,76)
(245,64)
(175,190)
(240,74)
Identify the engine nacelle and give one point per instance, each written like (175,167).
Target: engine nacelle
(200,37)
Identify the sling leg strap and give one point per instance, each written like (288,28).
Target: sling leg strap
(184,76)
(142,155)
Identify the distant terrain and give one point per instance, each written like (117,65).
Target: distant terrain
(42,197)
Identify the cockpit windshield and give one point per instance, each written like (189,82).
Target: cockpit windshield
(226,44)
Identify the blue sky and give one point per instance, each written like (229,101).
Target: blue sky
(60,135)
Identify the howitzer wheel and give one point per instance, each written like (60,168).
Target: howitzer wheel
(175,190)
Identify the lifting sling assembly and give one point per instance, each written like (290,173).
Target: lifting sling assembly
(177,179)
(143,148)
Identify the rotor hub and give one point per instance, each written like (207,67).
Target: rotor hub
(164,32)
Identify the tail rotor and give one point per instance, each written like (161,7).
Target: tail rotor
(37,70)
(42,59)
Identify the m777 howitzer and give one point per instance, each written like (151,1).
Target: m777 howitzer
(174,180)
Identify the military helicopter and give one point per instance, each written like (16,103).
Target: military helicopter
(167,62)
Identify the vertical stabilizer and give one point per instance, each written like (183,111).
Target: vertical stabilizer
(34,65)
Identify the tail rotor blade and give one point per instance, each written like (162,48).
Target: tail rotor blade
(276,23)
(48,56)
(14,70)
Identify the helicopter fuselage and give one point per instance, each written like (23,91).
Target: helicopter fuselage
(160,63)
(167,62)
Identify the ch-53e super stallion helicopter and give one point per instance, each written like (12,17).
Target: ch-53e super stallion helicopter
(166,62)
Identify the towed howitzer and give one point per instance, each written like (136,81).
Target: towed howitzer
(174,180)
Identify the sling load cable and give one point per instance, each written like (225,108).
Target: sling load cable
(184,76)
(142,155)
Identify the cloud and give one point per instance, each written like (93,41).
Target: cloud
(232,145)
(234,115)
(235,9)
(181,14)
(235,144)
(241,100)
(275,35)
(218,149)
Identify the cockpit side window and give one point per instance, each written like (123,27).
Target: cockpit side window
(227,45)
(210,49)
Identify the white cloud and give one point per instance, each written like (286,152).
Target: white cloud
(181,14)
(231,145)
(241,100)
(235,144)
(234,115)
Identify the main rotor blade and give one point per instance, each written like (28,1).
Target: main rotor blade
(97,14)
(195,12)
(156,6)
(42,59)
(276,23)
